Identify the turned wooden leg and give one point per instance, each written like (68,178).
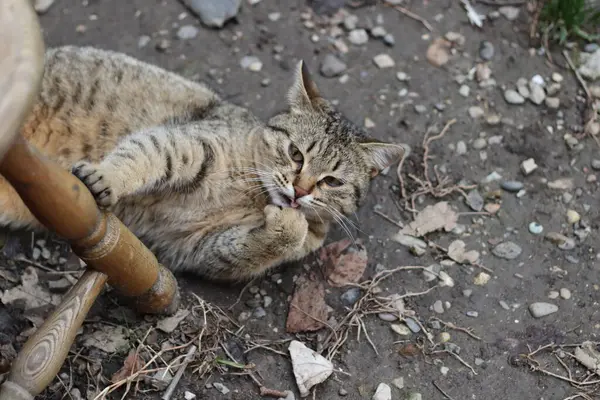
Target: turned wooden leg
(61,202)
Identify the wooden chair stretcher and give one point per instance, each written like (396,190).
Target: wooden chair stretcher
(63,204)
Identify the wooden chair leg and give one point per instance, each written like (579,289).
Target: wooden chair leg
(61,202)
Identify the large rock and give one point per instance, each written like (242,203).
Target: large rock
(214,13)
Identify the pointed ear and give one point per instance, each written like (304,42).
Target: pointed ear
(381,155)
(304,94)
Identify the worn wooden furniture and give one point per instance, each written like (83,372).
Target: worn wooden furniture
(61,202)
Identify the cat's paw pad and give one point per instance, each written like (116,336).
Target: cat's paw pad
(288,225)
(97,181)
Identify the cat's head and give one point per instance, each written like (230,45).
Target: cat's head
(320,161)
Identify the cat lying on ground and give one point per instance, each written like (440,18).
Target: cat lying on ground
(207,186)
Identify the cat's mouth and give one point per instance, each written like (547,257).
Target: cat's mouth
(279,199)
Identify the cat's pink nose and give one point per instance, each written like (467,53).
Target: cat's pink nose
(300,192)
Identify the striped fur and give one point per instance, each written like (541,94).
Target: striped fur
(205,184)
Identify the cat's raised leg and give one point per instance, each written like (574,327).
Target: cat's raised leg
(163,157)
(242,251)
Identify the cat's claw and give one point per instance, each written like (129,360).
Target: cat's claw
(97,182)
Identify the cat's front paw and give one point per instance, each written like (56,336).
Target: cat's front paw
(97,181)
(287,226)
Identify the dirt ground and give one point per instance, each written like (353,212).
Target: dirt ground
(497,312)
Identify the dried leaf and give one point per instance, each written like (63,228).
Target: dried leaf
(308,307)
(132,364)
(108,338)
(30,291)
(310,368)
(169,324)
(456,251)
(432,218)
(344,262)
(588,356)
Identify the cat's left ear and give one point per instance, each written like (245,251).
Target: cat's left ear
(304,94)
(380,155)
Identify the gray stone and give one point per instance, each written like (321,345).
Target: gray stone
(412,325)
(332,66)
(350,296)
(509,12)
(221,388)
(511,186)
(461,148)
(351,22)
(399,383)
(479,143)
(464,91)
(343,392)
(537,94)
(387,317)
(542,309)
(507,250)
(389,40)
(512,97)
(486,50)
(251,63)
(438,307)
(267,301)
(591,47)
(590,67)
(214,13)
(420,108)
(187,32)
(383,61)
(414,396)
(475,200)
(358,37)
(259,312)
(383,392)
(472,314)
(476,112)
(328,7)
(143,41)
(552,102)
(378,32)
(596,164)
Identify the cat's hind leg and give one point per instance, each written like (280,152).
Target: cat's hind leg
(14,214)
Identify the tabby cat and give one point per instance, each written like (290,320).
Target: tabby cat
(207,186)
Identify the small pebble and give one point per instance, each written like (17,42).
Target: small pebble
(267,301)
(464,91)
(414,396)
(383,392)
(541,309)
(260,312)
(552,102)
(389,40)
(504,305)
(556,77)
(486,50)
(444,337)
(401,329)
(535,228)
(553,295)
(358,37)
(596,164)
(461,148)
(472,314)
(402,76)
(412,325)
(479,143)
(565,293)
(251,63)
(511,186)
(528,166)
(378,32)
(438,307)
(350,296)
(420,108)
(383,61)
(573,217)
(481,279)
(476,112)
(507,250)
(143,41)
(187,32)
(444,370)
(332,66)
(399,383)
(479,361)
(343,392)
(387,317)
(512,97)
(221,388)
(189,395)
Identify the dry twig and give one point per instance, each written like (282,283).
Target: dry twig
(414,16)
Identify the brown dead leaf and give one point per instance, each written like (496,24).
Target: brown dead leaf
(432,218)
(30,291)
(132,364)
(438,52)
(456,251)
(344,262)
(308,307)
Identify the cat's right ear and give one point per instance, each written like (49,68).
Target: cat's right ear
(304,95)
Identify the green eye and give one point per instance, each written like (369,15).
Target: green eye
(295,154)
(331,181)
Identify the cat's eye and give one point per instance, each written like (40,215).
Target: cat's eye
(331,181)
(295,154)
